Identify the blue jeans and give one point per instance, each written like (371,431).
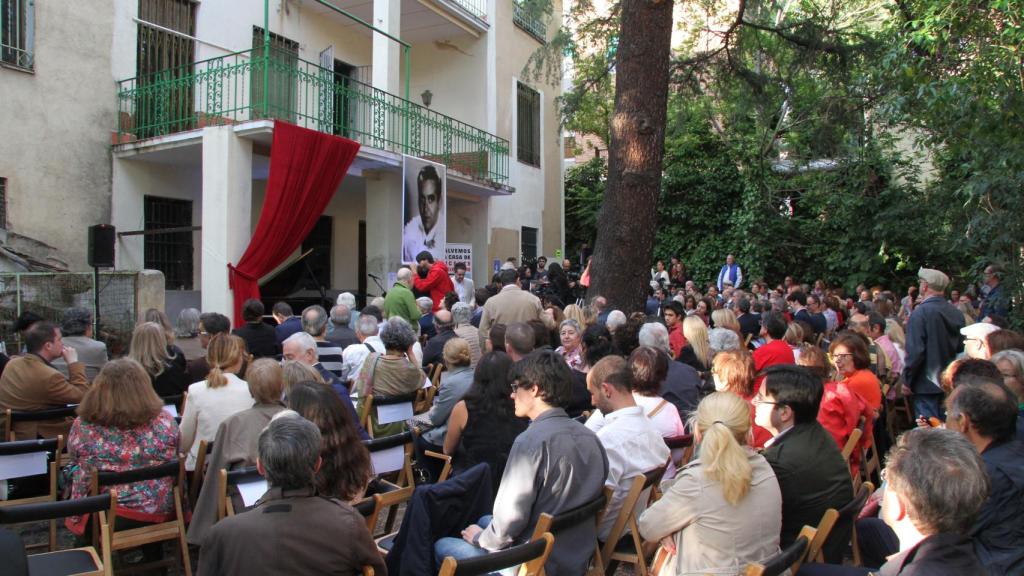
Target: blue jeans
(461,550)
(929,405)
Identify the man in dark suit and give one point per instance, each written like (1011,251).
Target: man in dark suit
(260,338)
(812,474)
(750,324)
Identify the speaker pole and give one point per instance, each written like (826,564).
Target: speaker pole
(96,301)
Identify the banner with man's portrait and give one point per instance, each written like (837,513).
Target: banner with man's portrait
(424,209)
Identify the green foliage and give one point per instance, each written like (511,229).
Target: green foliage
(584,192)
(853,142)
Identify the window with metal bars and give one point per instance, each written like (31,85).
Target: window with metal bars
(171,252)
(281,90)
(528,125)
(164,61)
(528,244)
(17,33)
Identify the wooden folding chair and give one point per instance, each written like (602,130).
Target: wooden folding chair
(80,561)
(530,558)
(821,534)
(789,559)
(684,443)
(447,469)
(401,408)
(369,507)
(159,532)
(13,456)
(849,447)
(848,515)
(205,448)
(589,512)
(392,456)
(245,480)
(631,549)
(13,417)
(870,463)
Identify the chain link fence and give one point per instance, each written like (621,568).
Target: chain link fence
(49,294)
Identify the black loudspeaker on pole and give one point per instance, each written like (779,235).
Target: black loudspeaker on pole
(101,255)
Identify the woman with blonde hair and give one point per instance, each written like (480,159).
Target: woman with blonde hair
(213,400)
(697,352)
(455,382)
(295,372)
(574,312)
(724,509)
(724,318)
(149,348)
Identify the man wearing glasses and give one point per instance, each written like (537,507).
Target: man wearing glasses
(556,465)
(811,471)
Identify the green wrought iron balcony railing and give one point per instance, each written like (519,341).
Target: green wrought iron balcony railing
(250,85)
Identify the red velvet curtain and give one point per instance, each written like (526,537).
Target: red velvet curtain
(306,168)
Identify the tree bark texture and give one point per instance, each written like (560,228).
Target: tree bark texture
(628,218)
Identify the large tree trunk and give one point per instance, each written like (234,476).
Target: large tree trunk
(628,218)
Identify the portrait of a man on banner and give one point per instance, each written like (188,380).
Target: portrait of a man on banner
(425,209)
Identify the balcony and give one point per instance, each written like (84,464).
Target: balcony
(251,85)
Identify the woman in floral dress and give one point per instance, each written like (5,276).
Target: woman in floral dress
(121,425)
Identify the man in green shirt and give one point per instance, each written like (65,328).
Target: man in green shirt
(400,300)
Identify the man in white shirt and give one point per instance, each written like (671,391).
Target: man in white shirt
(368,333)
(354,354)
(464,287)
(629,438)
(426,231)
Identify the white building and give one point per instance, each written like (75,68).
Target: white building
(165,110)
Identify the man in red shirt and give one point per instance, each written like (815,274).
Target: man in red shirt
(776,350)
(674,315)
(437,283)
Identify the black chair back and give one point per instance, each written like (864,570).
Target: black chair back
(496,561)
(54,510)
(48,414)
(28,446)
(378,444)
(578,515)
(785,559)
(652,477)
(848,512)
(243,475)
(108,478)
(682,441)
(400,399)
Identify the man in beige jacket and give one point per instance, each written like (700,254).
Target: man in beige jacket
(30,382)
(511,304)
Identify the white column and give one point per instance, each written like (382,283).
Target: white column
(227,212)
(383,226)
(386,52)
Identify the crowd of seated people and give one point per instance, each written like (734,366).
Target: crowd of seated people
(564,402)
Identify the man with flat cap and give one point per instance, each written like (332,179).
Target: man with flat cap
(933,341)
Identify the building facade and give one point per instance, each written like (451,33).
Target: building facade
(169,120)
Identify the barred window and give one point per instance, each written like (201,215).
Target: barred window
(169,252)
(528,125)
(528,244)
(17,32)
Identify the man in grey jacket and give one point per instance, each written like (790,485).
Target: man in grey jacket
(933,341)
(76,328)
(554,466)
